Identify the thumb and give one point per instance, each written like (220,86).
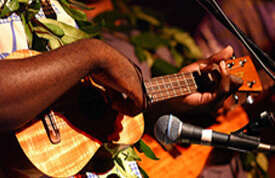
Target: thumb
(236,83)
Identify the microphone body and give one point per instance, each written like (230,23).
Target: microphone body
(169,129)
(197,135)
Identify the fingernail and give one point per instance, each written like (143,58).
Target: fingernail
(223,64)
(202,66)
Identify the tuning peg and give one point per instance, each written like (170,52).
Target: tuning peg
(236,98)
(230,64)
(242,62)
(251,83)
(233,56)
(249,99)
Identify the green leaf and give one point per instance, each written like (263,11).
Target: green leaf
(78,15)
(149,58)
(79,5)
(90,28)
(130,154)
(162,67)
(56,30)
(139,51)
(114,151)
(28,30)
(59,33)
(190,49)
(53,41)
(248,160)
(177,57)
(144,174)
(8,7)
(169,32)
(32,9)
(74,13)
(114,20)
(143,148)
(120,163)
(141,15)
(262,161)
(5,11)
(24,1)
(13,5)
(71,33)
(149,40)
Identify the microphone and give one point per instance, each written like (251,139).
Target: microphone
(169,129)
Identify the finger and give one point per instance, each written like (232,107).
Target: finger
(223,55)
(225,78)
(136,96)
(121,103)
(127,83)
(235,83)
(231,83)
(134,90)
(223,89)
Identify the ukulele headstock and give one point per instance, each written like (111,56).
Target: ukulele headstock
(241,67)
(244,68)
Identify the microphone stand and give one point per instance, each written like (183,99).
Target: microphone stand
(263,58)
(247,137)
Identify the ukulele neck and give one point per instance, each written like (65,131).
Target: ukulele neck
(170,86)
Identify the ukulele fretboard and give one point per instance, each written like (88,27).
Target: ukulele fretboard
(170,86)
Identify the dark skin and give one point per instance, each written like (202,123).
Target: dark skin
(212,100)
(30,85)
(200,102)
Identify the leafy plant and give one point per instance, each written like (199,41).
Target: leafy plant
(151,33)
(256,164)
(48,34)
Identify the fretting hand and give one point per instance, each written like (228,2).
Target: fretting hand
(213,100)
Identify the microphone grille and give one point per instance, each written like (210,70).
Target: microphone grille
(167,128)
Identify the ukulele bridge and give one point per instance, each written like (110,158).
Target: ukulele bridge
(51,127)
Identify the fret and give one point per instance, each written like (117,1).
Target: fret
(181,92)
(170,86)
(165,86)
(193,80)
(156,97)
(159,89)
(186,83)
(175,95)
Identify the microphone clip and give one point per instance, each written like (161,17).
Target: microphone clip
(254,127)
(248,137)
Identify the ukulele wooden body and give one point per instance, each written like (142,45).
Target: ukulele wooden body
(61,149)
(60,145)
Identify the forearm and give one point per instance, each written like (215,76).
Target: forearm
(28,86)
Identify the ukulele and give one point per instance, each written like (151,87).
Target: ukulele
(61,140)
(189,161)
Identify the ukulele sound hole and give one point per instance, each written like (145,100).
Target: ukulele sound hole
(91,103)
